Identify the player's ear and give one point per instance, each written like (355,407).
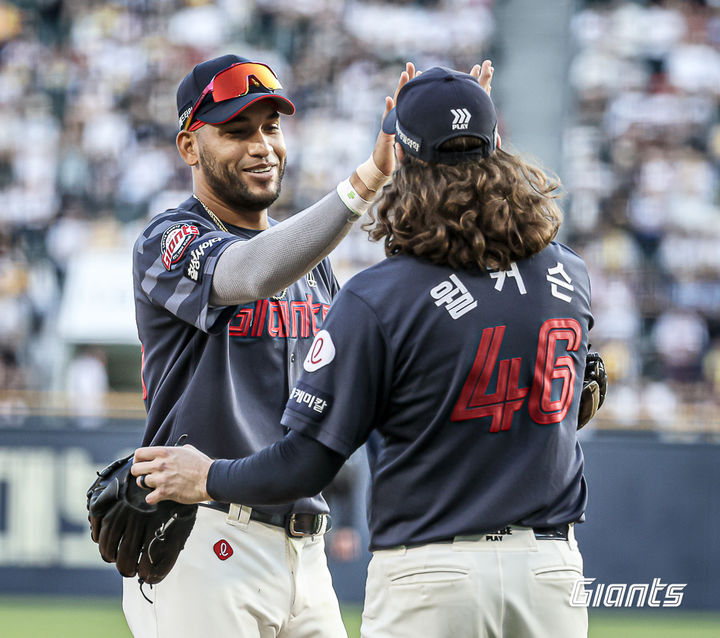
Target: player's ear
(399,152)
(187,145)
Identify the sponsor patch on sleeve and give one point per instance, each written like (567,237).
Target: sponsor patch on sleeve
(321,352)
(174,243)
(309,402)
(193,270)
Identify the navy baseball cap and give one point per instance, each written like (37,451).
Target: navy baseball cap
(210,111)
(438,105)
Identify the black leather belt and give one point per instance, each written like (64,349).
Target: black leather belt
(295,525)
(557,533)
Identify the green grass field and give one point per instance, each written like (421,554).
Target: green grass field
(39,617)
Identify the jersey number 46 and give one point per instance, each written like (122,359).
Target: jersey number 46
(508,398)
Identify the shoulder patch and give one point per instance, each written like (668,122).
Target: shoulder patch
(175,241)
(193,269)
(309,401)
(321,352)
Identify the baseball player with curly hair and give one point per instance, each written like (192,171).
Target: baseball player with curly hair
(228,302)
(460,359)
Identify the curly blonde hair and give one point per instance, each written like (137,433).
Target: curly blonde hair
(485,213)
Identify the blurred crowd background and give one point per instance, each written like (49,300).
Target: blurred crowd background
(87,155)
(642,160)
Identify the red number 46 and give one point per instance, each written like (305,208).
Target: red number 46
(508,398)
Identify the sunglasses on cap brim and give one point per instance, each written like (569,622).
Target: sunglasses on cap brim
(236,81)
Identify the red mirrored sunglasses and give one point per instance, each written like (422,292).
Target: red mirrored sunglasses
(236,81)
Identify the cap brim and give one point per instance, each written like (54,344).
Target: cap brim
(228,109)
(388,125)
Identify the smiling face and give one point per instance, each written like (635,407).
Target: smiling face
(242,161)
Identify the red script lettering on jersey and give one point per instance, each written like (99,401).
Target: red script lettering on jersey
(281,319)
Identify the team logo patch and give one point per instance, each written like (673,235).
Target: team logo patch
(222,549)
(321,352)
(309,402)
(175,241)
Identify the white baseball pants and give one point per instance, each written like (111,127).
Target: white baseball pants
(248,580)
(476,587)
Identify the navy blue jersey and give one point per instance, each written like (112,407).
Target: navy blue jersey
(221,375)
(470,382)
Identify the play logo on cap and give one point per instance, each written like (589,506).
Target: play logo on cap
(461,119)
(438,105)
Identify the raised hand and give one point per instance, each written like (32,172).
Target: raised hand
(383,153)
(484,73)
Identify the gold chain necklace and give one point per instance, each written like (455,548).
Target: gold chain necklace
(213,216)
(222,227)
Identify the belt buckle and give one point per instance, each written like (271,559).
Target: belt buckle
(557,533)
(291,529)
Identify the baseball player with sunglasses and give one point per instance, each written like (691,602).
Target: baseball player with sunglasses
(228,302)
(462,360)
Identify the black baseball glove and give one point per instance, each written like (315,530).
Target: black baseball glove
(594,388)
(141,539)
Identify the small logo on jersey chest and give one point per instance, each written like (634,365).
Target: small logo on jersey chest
(175,241)
(222,549)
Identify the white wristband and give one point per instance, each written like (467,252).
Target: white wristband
(351,199)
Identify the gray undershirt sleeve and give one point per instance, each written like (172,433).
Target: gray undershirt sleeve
(279,256)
